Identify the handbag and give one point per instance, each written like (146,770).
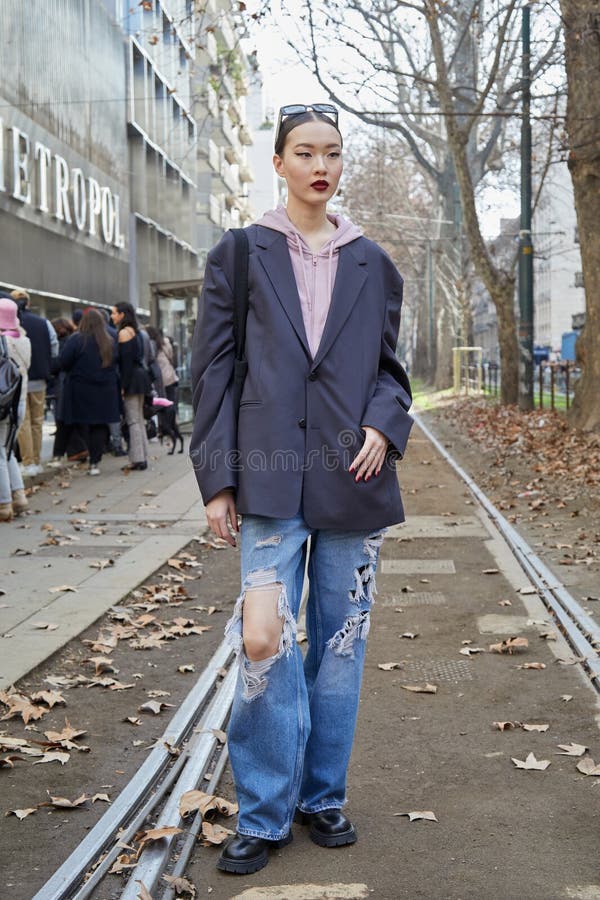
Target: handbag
(240,311)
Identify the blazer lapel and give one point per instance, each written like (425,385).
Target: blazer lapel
(349,281)
(278,266)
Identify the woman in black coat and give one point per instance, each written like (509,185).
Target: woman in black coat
(90,398)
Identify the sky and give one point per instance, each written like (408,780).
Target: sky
(286,80)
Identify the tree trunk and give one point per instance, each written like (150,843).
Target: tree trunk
(504,300)
(581,20)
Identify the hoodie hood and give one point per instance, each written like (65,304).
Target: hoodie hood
(314,272)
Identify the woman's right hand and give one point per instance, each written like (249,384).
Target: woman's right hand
(218,510)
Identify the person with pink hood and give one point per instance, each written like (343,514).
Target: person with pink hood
(307,456)
(12,490)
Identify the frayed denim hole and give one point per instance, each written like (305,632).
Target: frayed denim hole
(364,576)
(355,628)
(254,672)
(273,541)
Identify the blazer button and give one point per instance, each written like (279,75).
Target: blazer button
(313,376)
(302,423)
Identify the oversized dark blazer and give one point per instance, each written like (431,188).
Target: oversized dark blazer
(299,423)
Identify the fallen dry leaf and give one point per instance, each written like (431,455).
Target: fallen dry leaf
(21,813)
(186,668)
(490,571)
(504,603)
(566,697)
(416,815)
(526,727)
(531,763)
(502,726)
(571,749)
(214,834)
(104,797)
(587,766)
(21,705)
(53,756)
(144,893)
(420,688)
(50,698)
(532,665)
(123,863)
(387,667)
(62,589)
(64,802)
(411,635)
(180,885)
(154,706)
(549,636)
(45,626)
(469,651)
(220,735)
(156,834)
(67,734)
(510,645)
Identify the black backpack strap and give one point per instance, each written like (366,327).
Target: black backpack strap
(240,290)
(240,309)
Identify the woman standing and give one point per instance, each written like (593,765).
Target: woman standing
(309,454)
(90,398)
(18,346)
(134,382)
(164,358)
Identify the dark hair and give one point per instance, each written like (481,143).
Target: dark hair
(292,122)
(63,327)
(93,326)
(130,318)
(155,335)
(76,317)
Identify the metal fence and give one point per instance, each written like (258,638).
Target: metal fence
(554,383)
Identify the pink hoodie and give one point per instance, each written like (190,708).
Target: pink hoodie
(315,272)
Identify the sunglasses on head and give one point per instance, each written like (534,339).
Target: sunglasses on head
(298,109)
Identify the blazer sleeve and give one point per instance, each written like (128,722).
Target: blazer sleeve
(213,447)
(388,408)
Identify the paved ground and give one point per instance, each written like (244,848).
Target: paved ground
(501,832)
(76,523)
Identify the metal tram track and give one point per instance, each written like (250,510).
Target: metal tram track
(579,629)
(162,779)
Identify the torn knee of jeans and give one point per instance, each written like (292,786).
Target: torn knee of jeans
(273,541)
(355,628)
(364,576)
(254,672)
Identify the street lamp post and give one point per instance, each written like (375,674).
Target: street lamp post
(525,243)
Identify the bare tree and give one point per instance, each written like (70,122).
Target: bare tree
(581,20)
(384,192)
(445,77)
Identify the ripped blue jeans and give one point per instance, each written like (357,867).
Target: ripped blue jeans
(292,722)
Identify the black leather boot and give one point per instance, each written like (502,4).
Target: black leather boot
(244,855)
(328,828)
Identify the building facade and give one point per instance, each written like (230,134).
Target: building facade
(123,153)
(558,278)
(64,185)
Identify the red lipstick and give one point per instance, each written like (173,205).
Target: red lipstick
(320,185)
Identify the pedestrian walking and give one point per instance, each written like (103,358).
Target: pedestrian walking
(90,399)
(44,348)
(310,453)
(135,382)
(17,346)
(66,439)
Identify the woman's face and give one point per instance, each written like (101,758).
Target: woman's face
(311,162)
(116,316)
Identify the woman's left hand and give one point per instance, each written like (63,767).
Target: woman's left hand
(371,456)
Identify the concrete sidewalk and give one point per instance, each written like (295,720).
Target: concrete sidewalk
(76,523)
